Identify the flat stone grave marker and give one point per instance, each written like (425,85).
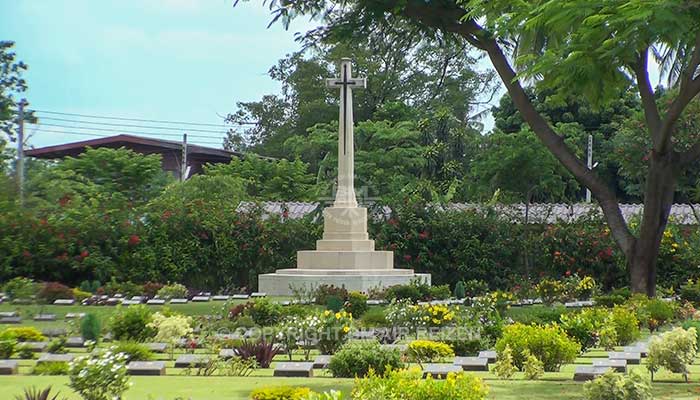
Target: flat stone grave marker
(6,314)
(321,362)
(49,358)
(130,302)
(375,302)
(146,368)
(400,347)
(201,299)
(71,315)
(118,295)
(285,303)
(440,371)
(36,347)
(155,302)
(641,348)
(294,369)
(9,367)
(258,294)
(227,354)
(191,360)
(178,301)
(140,299)
(188,343)
(490,355)
(586,303)
(53,332)
(221,297)
(10,320)
(75,341)
(208,294)
(363,335)
(617,365)
(632,358)
(103,297)
(113,301)
(472,363)
(107,337)
(45,317)
(156,347)
(240,296)
(64,302)
(586,373)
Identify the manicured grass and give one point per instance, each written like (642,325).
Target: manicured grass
(232,388)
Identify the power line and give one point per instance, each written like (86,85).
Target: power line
(168,128)
(90,128)
(143,120)
(41,130)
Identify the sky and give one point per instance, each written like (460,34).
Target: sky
(173,60)
(170,60)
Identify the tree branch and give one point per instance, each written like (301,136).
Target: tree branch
(651,111)
(689,88)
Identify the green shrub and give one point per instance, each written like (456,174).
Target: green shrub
(673,350)
(409,385)
(537,314)
(475,288)
(609,300)
(57,346)
(626,325)
(33,393)
(91,327)
(25,352)
(334,303)
(532,367)
(465,347)
(7,348)
(21,288)
(504,367)
(265,312)
(90,286)
(127,288)
(79,295)
(690,291)
(100,375)
(401,292)
(356,304)
(322,292)
(421,351)
(460,291)
(173,291)
(23,334)
(550,290)
(134,351)
(131,323)
(693,323)
(357,358)
(440,292)
(374,317)
(614,386)
(280,393)
(51,368)
(549,344)
(652,312)
(583,326)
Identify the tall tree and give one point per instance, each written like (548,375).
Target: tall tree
(409,77)
(588,48)
(11,84)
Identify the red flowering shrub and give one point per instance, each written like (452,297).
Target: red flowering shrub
(151,288)
(52,291)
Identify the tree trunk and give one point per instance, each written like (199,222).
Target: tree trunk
(658,198)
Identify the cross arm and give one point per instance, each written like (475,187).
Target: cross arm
(354,83)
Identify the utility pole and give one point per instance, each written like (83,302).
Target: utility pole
(183,168)
(20,150)
(590,164)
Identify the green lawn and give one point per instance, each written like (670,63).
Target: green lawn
(226,388)
(557,385)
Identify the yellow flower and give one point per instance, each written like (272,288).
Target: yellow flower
(337,315)
(346,329)
(326,313)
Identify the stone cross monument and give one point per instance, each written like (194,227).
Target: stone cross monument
(345,256)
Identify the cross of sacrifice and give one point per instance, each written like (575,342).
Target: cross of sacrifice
(346,83)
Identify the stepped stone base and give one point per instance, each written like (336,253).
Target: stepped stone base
(280,283)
